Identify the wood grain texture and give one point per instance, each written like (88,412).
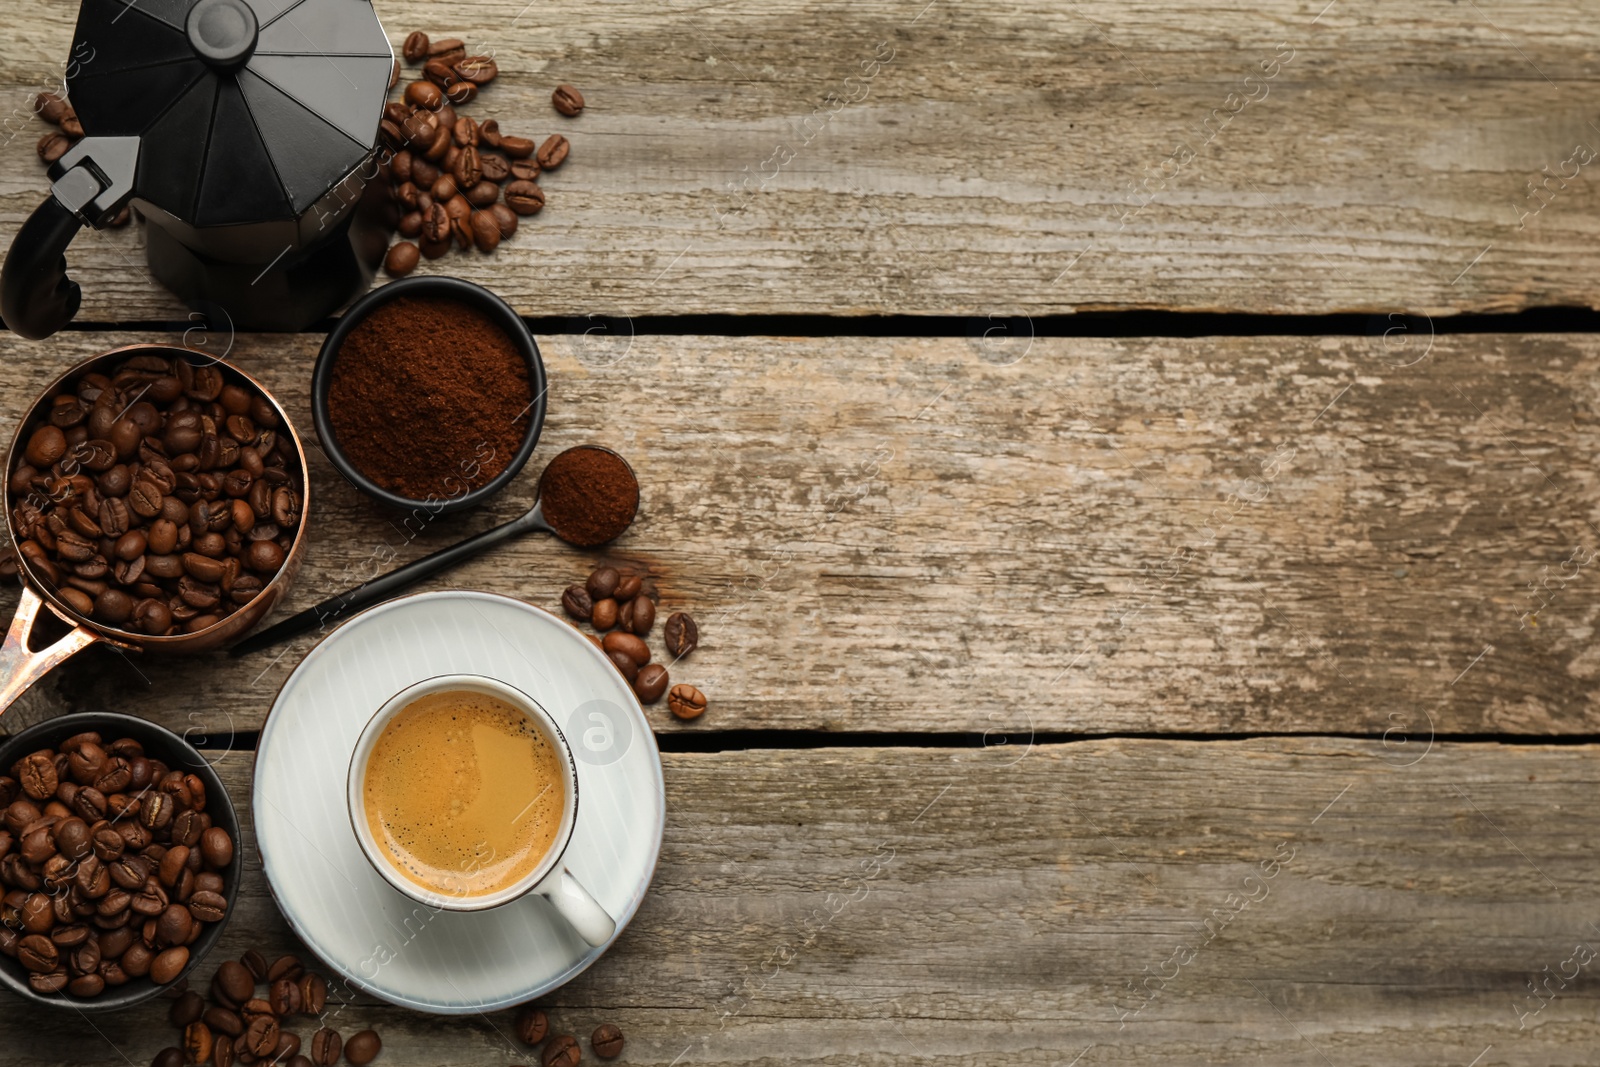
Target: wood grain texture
(1030,157)
(916,906)
(1216,535)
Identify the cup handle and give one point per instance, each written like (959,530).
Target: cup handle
(20,668)
(568,896)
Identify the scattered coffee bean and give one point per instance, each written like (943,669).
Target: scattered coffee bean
(567,100)
(562,1051)
(603,583)
(169,1057)
(416,47)
(524,198)
(681,634)
(686,702)
(402,258)
(606,1041)
(531,1025)
(326,1046)
(628,645)
(651,683)
(362,1047)
(603,616)
(577,603)
(553,152)
(186,1009)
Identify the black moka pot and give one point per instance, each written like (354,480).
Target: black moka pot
(244,132)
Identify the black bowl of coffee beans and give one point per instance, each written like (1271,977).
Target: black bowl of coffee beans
(119,862)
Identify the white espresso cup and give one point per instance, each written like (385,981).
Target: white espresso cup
(549,879)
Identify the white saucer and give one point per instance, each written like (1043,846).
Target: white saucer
(452,963)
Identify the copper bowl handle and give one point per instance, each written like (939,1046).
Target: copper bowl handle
(21,668)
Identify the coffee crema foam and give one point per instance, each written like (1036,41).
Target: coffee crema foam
(463,794)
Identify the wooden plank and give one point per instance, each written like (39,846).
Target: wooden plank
(918,906)
(1030,157)
(1237,535)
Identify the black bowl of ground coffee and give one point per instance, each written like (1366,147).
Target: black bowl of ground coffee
(429,394)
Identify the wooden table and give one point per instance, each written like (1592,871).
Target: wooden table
(1198,698)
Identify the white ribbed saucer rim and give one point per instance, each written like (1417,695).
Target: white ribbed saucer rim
(572,651)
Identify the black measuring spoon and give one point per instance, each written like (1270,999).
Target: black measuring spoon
(384,586)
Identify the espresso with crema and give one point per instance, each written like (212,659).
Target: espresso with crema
(463,794)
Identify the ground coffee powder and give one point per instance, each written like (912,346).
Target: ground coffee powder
(429,397)
(589,495)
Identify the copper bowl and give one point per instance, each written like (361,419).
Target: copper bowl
(20,666)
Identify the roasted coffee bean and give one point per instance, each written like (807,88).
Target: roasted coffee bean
(45,446)
(326,1047)
(606,1041)
(287,966)
(223,1021)
(603,615)
(152,900)
(72,934)
(235,981)
(197,1042)
(253,961)
(603,582)
(651,683)
(479,70)
(261,1035)
(681,634)
(313,993)
(553,152)
(461,92)
(525,170)
(468,168)
(567,100)
(174,925)
(284,996)
(37,775)
(628,586)
(138,959)
(642,616)
(514,147)
(208,907)
(483,194)
(424,94)
(169,1057)
(628,645)
(186,1009)
(38,953)
(524,198)
(436,225)
(216,847)
(505,218)
(686,702)
(52,982)
(51,108)
(53,146)
(625,666)
(531,1026)
(402,257)
(562,1051)
(495,166)
(440,73)
(222,1054)
(415,48)
(362,1047)
(288,1047)
(485,231)
(577,603)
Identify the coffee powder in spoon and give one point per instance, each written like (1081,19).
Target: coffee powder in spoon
(588,495)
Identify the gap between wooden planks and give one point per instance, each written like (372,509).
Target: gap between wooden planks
(1234,535)
(1299,898)
(1028,157)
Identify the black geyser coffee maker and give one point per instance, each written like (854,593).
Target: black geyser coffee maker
(244,132)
